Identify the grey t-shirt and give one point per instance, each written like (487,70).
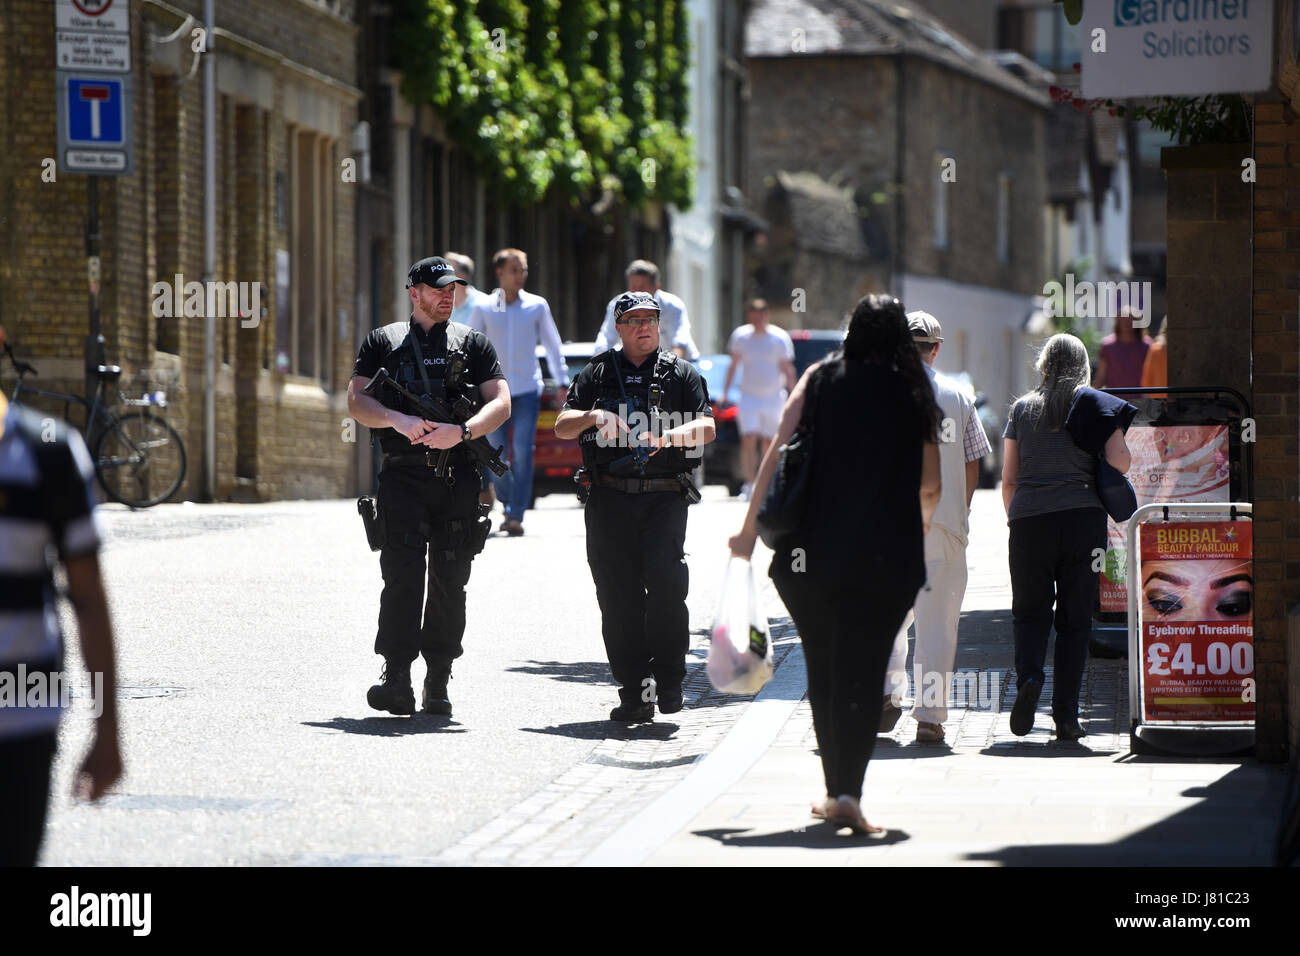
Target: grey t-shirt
(1055,473)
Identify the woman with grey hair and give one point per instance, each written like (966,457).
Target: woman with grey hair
(1049,488)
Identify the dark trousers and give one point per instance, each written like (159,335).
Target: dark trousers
(1051,558)
(24,795)
(413,502)
(635,547)
(847,636)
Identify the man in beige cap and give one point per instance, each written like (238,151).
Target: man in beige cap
(938,605)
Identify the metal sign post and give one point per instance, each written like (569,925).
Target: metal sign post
(92,83)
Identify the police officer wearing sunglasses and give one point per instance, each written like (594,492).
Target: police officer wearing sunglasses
(642,418)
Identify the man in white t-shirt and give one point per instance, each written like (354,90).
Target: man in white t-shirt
(937,610)
(674,323)
(764,355)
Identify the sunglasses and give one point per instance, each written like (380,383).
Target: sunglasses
(639,323)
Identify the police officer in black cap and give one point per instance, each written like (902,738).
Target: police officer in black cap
(420,513)
(642,417)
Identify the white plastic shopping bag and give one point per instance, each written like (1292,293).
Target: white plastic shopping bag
(740,654)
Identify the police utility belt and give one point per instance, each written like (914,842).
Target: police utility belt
(640,486)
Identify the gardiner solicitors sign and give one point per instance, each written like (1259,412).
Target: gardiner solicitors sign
(1176,47)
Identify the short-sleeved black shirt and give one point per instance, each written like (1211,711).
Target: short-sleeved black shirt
(685,393)
(378,348)
(381,342)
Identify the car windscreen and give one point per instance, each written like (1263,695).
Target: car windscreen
(808,351)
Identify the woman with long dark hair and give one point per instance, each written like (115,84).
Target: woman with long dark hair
(1049,488)
(850,572)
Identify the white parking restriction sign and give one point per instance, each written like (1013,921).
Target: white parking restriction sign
(114,15)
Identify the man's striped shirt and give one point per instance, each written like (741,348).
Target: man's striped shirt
(47,513)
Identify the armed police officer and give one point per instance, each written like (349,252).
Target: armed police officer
(418,511)
(642,417)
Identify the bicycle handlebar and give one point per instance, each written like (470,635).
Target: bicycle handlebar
(23,368)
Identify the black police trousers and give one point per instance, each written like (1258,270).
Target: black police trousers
(412,501)
(635,550)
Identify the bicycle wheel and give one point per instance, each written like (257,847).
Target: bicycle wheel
(139,459)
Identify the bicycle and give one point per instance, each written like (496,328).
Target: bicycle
(139,458)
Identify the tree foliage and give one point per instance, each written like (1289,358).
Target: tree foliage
(576,98)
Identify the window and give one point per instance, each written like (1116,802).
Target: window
(1041,33)
(166,189)
(302,341)
(941,192)
(1004,218)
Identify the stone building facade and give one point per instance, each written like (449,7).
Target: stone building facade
(935,149)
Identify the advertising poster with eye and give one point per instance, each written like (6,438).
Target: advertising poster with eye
(1170,463)
(1197,621)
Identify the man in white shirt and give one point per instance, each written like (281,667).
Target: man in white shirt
(937,610)
(515,321)
(467,299)
(764,355)
(674,323)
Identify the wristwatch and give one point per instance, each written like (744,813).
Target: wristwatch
(465,434)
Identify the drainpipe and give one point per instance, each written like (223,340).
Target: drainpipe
(900,165)
(209,255)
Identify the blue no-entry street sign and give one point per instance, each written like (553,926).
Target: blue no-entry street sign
(94,122)
(95,112)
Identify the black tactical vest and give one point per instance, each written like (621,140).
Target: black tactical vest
(655,387)
(446,343)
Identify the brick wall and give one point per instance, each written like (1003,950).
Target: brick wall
(838,119)
(1208,236)
(152,226)
(1275,343)
(988,132)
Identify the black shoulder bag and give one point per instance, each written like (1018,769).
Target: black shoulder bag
(786,501)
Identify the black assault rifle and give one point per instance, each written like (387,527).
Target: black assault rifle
(437,409)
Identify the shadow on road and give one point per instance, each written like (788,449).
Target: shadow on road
(608,730)
(1047,748)
(579,672)
(389,726)
(1235,824)
(819,836)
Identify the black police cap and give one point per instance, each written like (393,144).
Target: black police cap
(631,301)
(434,271)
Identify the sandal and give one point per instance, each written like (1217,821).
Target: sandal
(928,732)
(844,811)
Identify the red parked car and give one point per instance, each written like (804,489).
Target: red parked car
(555,460)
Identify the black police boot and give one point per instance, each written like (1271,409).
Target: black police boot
(435,699)
(393,693)
(632,709)
(669,699)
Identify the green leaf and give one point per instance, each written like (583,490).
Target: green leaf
(1073,11)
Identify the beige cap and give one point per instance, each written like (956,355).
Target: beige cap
(924,327)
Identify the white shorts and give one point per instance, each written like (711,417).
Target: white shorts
(761,414)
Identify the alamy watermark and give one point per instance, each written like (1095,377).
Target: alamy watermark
(972,689)
(39,689)
(641,425)
(172,300)
(1098,300)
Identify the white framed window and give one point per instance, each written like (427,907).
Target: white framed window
(943,163)
(303,335)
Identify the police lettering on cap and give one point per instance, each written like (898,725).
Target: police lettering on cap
(924,327)
(631,301)
(434,271)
